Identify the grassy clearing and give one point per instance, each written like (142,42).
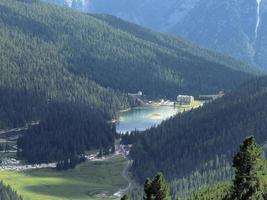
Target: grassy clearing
(197,103)
(193,105)
(90,181)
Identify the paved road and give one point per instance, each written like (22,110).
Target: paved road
(126,175)
(20,128)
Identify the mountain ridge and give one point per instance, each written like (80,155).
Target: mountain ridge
(235,28)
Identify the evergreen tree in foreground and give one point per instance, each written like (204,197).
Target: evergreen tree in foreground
(157,189)
(248,164)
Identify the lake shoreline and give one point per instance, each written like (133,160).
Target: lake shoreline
(146,116)
(135,107)
(143,117)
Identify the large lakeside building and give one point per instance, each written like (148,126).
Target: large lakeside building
(185,99)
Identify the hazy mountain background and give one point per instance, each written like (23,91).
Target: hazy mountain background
(234,27)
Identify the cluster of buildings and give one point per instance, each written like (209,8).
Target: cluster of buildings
(181,99)
(185,99)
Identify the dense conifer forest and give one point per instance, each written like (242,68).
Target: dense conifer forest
(57,62)
(36,85)
(70,73)
(196,147)
(248,183)
(118,56)
(47,142)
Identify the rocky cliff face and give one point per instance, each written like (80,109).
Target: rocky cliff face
(234,27)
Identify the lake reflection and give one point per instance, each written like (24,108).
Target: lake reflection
(142,118)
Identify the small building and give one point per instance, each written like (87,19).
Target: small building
(211,97)
(139,93)
(185,99)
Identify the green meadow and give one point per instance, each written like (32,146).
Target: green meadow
(90,180)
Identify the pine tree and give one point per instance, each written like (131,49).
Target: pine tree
(248,164)
(157,189)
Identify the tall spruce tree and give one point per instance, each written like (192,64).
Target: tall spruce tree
(248,164)
(157,189)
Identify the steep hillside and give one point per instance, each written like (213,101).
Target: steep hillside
(69,70)
(35,65)
(216,191)
(237,28)
(107,54)
(250,179)
(36,85)
(203,141)
(175,43)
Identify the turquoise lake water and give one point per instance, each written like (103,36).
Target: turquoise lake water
(142,118)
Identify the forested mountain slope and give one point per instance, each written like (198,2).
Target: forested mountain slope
(121,60)
(235,27)
(203,139)
(250,181)
(174,43)
(34,64)
(37,85)
(57,62)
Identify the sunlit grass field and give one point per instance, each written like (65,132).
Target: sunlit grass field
(197,104)
(90,181)
(193,105)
